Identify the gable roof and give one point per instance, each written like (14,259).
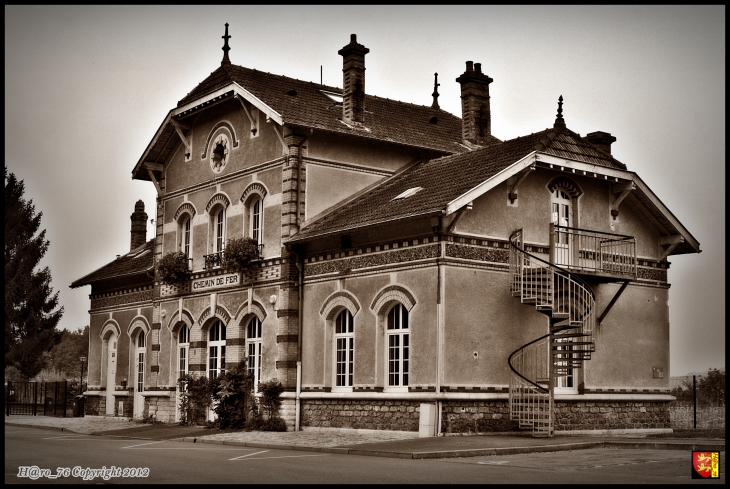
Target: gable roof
(137,262)
(445,179)
(302,103)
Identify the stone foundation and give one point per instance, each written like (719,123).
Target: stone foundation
(93,405)
(611,415)
(360,414)
(288,412)
(160,408)
(467,417)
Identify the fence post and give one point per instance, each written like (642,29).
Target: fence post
(65,396)
(694,399)
(35,399)
(7,398)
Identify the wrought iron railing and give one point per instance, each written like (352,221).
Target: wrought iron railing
(569,302)
(594,251)
(215,260)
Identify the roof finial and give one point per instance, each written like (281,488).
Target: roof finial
(559,121)
(225,48)
(435,94)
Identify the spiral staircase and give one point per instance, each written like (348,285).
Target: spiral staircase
(569,303)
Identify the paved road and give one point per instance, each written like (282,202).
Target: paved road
(178,462)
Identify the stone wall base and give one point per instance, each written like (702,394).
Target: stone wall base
(160,408)
(360,414)
(489,416)
(288,412)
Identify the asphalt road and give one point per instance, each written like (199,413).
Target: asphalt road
(166,462)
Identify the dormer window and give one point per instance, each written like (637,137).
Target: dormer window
(408,193)
(335,97)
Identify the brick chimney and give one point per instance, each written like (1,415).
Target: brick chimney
(139,226)
(476,116)
(602,140)
(353,80)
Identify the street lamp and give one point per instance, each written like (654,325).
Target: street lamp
(81,379)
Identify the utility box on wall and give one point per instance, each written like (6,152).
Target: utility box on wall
(428,419)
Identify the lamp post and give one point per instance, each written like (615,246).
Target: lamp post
(81,379)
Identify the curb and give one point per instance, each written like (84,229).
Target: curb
(476,452)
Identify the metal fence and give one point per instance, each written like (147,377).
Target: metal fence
(40,398)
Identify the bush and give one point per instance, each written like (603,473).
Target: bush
(233,394)
(173,267)
(239,253)
(195,399)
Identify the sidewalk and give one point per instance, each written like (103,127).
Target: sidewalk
(398,444)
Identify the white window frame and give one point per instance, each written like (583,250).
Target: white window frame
(256,219)
(186,234)
(183,350)
(254,347)
(217,357)
(397,381)
(343,343)
(219,231)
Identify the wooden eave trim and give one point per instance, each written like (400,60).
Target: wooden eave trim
(490,183)
(237,90)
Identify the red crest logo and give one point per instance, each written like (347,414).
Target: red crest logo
(705,465)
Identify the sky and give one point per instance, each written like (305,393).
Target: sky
(86,87)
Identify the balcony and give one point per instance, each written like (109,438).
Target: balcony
(604,256)
(215,260)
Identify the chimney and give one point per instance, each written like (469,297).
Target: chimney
(602,140)
(353,80)
(139,226)
(476,116)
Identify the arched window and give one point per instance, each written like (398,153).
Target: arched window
(398,346)
(139,374)
(344,349)
(253,347)
(185,236)
(183,343)
(216,349)
(255,218)
(219,231)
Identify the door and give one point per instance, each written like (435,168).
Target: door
(111,374)
(139,376)
(562,216)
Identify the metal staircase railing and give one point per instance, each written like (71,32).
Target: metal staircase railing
(569,302)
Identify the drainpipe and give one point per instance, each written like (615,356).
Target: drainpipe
(440,322)
(298,411)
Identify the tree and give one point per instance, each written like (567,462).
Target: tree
(711,388)
(31,313)
(65,356)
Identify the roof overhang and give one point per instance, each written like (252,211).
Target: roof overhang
(667,222)
(166,139)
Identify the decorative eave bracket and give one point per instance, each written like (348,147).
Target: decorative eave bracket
(672,242)
(513,189)
(624,188)
(151,168)
(178,128)
(278,134)
(254,125)
(456,216)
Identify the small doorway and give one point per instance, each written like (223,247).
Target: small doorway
(111,373)
(562,213)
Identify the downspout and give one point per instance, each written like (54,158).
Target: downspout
(298,411)
(439,322)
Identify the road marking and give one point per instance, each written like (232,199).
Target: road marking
(143,444)
(255,453)
(284,456)
(494,463)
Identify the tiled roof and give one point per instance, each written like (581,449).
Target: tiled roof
(135,262)
(302,103)
(444,179)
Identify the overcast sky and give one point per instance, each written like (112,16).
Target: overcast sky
(87,87)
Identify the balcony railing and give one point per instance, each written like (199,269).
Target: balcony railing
(592,251)
(214,260)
